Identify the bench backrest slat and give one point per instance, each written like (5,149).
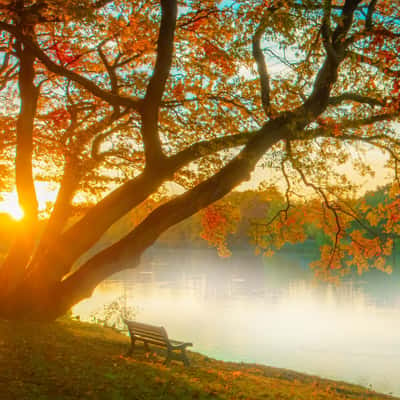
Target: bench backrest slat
(150,335)
(156,333)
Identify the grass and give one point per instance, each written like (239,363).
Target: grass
(73,360)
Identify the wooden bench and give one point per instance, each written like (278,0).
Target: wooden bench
(156,335)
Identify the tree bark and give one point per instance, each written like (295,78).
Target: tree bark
(13,269)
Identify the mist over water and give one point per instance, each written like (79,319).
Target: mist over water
(269,311)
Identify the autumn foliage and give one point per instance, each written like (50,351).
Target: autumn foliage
(119,102)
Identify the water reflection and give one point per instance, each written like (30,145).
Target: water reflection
(270,312)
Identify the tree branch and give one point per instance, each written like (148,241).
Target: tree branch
(156,86)
(326,30)
(110,69)
(370,13)
(327,75)
(373,63)
(336,100)
(262,67)
(113,99)
(327,131)
(328,205)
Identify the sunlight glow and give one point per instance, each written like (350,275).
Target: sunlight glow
(9,200)
(10,205)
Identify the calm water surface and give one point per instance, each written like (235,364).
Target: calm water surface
(267,311)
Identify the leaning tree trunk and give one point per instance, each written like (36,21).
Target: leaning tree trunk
(47,299)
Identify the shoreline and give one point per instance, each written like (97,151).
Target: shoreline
(69,359)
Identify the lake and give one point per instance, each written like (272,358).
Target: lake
(269,311)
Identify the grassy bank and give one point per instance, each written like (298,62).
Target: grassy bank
(73,360)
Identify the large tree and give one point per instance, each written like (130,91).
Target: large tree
(114,98)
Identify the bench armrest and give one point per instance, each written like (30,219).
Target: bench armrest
(176,344)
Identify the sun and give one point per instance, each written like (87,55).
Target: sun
(16,212)
(9,201)
(9,205)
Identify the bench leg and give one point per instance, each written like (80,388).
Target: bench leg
(182,357)
(185,358)
(146,347)
(169,357)
(132,348)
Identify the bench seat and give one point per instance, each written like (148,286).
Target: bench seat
(158,336)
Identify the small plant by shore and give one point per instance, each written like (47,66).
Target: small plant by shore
(112,315)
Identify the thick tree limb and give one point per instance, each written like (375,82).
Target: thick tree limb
(23,162)
(326,30)
(82,282)
(13,268)
(208,147)
(370,14)
(262,68)
(62,207)
(327,75)
(336,100)
(156,86)
(328,131)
